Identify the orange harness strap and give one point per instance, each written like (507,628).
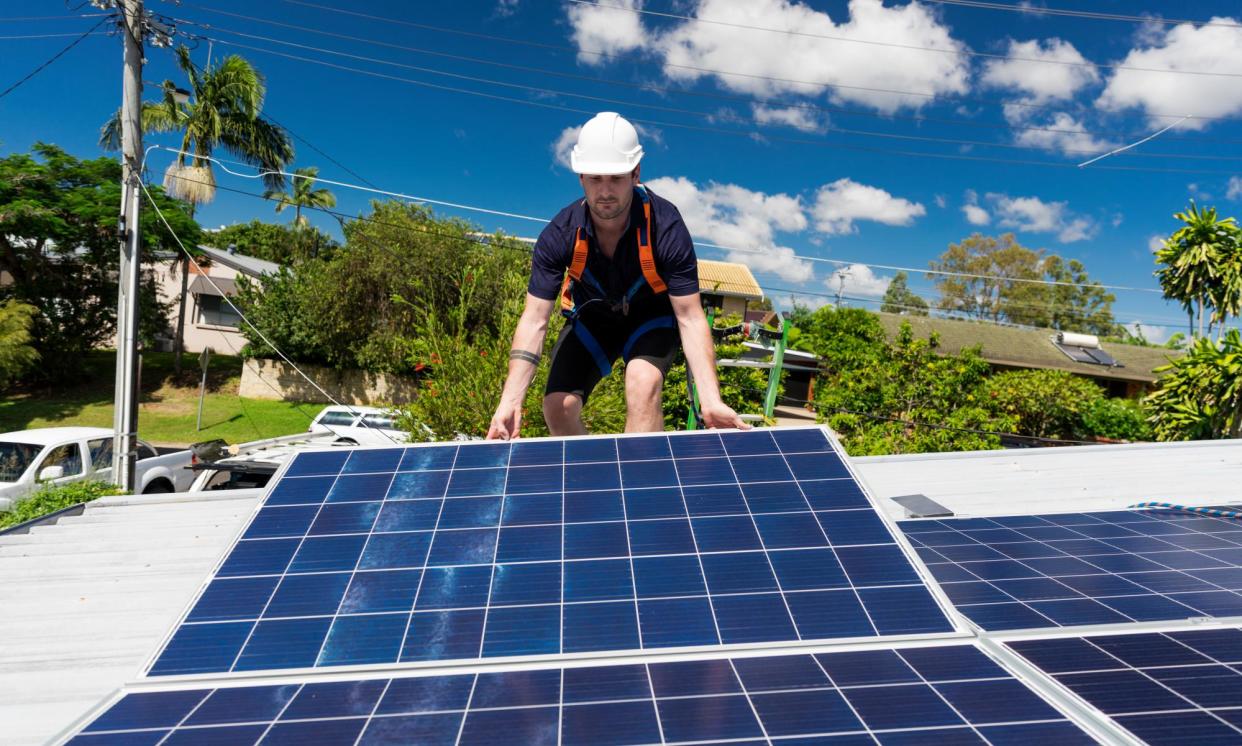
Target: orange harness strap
(646,257)
(576,267)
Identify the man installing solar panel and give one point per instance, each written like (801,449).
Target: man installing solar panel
(622,264)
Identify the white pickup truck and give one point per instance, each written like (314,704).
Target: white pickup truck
(30,459)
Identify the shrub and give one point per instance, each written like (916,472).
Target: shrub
(1119,419)
(1042,403)
(51,499)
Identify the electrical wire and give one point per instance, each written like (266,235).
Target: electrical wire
(15,19)
(914,47)
(224,165)
(1029,8)
(649,86)
(711,71)
(55,57)
(678,110)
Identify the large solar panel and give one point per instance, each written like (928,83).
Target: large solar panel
(929,695)
(554,547)
(1171,688)
(1022,572)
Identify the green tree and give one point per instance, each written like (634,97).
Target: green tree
(1200,394)
(304,194)
(1042,403)
(58,241)
(16,352)
(1078,303)
(988,280)
(273,242)
(846,338)
(1201,264)
(900,299)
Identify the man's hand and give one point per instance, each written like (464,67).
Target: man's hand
(719,415)
(506,423)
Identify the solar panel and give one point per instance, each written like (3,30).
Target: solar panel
(929,695)
(1171,688)
(1073,569)
(552,547)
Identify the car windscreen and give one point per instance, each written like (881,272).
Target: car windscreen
(383,421)
(15,459)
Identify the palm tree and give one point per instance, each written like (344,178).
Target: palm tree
(304,195)
(1202,264)
(224,112)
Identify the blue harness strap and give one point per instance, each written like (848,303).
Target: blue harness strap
(592,346)
(660,322)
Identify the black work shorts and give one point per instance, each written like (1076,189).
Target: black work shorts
(586,350)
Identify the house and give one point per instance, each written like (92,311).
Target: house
(728,286)
(1121,369)
(209,320)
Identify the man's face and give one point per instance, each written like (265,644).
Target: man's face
(609,197)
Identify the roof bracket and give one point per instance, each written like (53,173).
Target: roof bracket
(922,506)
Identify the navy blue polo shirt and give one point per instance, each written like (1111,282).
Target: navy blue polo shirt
(673,249)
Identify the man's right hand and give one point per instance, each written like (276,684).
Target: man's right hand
(506,423)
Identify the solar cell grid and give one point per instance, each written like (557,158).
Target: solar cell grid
(1021,572)
(1170,688)
(952,694)
(550,547)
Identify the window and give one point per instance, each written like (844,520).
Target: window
(215,311)
(15,459)
(379,420)
(146,451)
(101,453)
(68,457)
(335,418)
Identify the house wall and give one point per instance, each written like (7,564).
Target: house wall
(226,340)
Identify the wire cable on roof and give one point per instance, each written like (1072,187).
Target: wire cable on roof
(563,48)
(915,47)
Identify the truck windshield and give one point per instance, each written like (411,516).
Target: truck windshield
(15,459)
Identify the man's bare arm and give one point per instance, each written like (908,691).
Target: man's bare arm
(696,341)
(524,356)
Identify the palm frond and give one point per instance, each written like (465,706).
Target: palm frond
(260,143)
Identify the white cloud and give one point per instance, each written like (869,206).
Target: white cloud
(839,204)
(1182,47)
(859,281)
(792,116)
(975,215)
(1050,79)
(506,8)
(1062,133)
(1150,332)
(1234,188)
(1155,243)
(564,145)
(766,63)
(734,216)
(1037,216)
(606,30)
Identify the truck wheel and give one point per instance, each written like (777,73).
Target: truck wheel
(158,487)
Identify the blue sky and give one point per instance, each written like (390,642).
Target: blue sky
(748,132)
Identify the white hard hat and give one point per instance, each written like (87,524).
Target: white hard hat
(607,145)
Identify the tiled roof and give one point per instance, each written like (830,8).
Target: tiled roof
(728,278)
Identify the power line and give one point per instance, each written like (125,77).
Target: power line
(1038,10)
(55,57)
(915,47)
(15,19)
(665,89)
(716,130)
(16,37)
(711,71)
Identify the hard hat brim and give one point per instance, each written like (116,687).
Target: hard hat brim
(587,168)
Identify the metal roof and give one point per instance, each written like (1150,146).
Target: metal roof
(88,600)
(46,436)
(248,265)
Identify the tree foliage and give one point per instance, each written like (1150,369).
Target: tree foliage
(1200,394)
(1201,263)
(272,242)
(846,338)
(17,355)
(998,279)
(59,243)
(1043,403)
(303,194)
(900,299)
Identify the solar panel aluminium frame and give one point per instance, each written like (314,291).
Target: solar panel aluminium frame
(1079,630)
(1067,703)
(960,628)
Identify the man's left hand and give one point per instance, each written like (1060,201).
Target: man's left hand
(720,415)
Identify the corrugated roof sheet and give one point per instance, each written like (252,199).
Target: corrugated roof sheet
(728,278)
(1031,348)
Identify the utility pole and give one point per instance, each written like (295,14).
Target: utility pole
(125,414)
(841,275)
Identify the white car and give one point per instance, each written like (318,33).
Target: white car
(370,426)
(30,459)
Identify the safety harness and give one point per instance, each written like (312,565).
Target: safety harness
(578,271)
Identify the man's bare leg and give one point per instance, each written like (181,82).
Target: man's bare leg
(644,388)
(563,413)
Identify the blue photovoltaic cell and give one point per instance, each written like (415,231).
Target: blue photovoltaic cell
(1063,570)
(556,546)
(953,694)
(1170,688)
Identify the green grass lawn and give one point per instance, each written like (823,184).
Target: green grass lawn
(168,407)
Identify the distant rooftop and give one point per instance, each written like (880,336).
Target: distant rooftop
(247,265)
(728,279)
